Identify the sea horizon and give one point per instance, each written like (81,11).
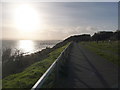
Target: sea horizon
(28,46)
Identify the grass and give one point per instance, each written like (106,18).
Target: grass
(107,50)
(30,75)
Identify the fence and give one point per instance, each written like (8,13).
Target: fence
(51,77)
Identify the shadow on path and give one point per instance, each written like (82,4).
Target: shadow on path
(85,69)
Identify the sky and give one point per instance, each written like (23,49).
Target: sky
(57,20)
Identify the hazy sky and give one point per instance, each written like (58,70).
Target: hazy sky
(57,20)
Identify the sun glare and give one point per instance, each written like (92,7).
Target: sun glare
(26,18)
(26,45)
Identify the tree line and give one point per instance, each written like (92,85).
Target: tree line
(99,36)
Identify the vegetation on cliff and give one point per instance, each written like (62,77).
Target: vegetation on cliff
(31,74)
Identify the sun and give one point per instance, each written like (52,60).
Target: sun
(26,18)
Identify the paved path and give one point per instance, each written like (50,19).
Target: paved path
(85,69)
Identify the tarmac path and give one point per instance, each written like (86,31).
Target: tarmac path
(85,69)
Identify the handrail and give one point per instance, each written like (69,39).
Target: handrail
(49,70)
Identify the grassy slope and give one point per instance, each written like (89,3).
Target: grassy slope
(30,75)
(104,49)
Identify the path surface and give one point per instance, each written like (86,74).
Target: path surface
(85,69)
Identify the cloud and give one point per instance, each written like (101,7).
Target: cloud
(82,30)
(63,32)
(90,28)
(65,19)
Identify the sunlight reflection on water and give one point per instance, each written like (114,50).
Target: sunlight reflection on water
(26,45)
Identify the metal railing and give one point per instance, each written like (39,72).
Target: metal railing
(56,66)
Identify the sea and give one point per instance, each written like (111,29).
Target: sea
(28,46)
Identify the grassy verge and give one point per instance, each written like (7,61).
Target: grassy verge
(30,75)
(105,49)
